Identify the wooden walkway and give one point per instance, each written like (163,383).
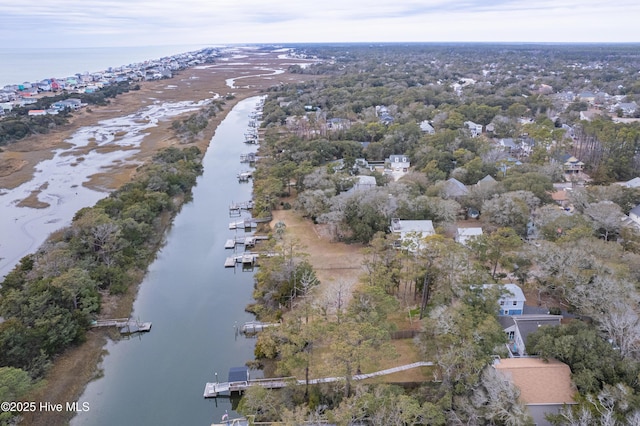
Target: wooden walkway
(213,390)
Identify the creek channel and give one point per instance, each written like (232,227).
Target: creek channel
(194,303)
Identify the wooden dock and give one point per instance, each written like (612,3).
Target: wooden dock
(248,158)
(124,325)
(248,242)
(247,258)
(254,327)
(213,390)
(243,224)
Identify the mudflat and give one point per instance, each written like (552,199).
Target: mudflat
(242,73)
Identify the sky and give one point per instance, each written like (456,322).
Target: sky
(97,23)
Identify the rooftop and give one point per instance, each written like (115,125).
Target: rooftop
(539,381)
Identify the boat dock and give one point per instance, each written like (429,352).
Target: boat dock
(245,241)
(253,327)
(213,390)
(124,325)
(248,158)
(247,258)
(249,223)
(245,176)
(235,209)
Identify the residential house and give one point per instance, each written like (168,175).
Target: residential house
(545,385)
(626,108)
(398,163)
(465,235)
(633,183)
(572,165)
(488,180)
(508,145)
(453,188)
(384,115)
(475,129)
(519,327)
(634,215)
(511,301)
(411,232)
(427,128)
(587,96)
(363,183)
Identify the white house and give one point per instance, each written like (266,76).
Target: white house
(411,232)
(634,215)
(464,235)
(398,163)
(633,183)
(476,129)
(427,128)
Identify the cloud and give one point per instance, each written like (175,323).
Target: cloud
(127,22)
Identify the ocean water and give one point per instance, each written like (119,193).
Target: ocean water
(21,65)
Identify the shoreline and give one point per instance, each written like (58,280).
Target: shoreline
(77,366)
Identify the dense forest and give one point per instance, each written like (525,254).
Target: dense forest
(578,256)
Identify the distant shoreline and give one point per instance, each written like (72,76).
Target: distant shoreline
(37,64)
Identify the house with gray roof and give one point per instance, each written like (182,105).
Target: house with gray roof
(411,232)
(519,327)
(427,128)
(454,188)
(475,129)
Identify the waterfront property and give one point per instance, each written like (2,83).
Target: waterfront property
(242,382)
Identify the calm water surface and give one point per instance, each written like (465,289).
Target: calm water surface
(193,302)
(35,64)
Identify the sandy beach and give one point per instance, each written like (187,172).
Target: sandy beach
(45,179)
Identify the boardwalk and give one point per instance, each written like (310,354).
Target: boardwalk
(212,390)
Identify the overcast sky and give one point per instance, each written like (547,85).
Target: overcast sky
(92,23)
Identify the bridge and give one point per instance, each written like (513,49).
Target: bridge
(213,390)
